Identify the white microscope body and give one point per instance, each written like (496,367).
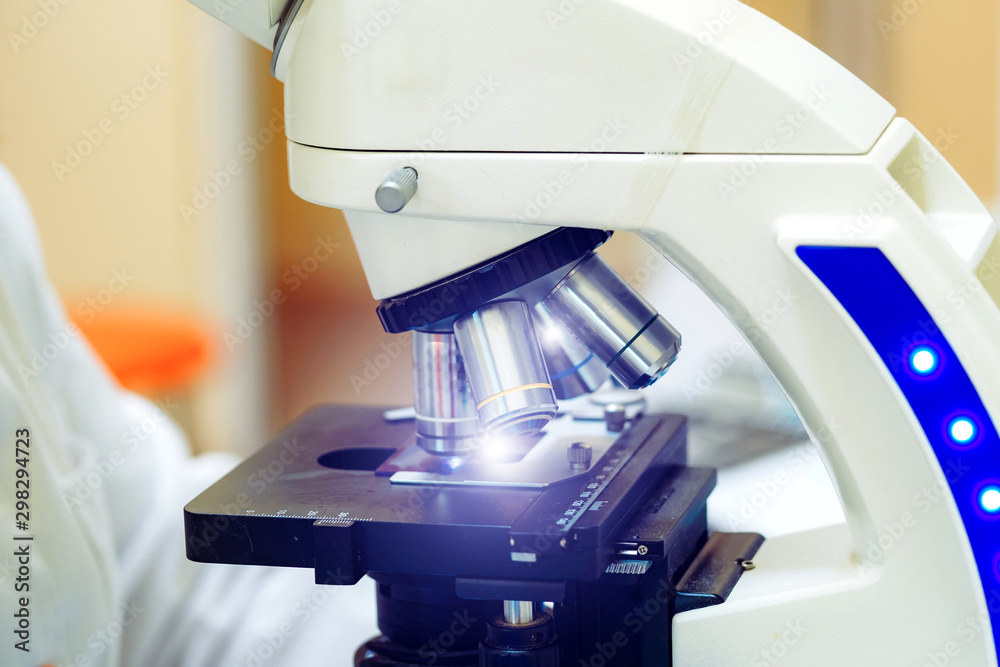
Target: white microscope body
(759,167)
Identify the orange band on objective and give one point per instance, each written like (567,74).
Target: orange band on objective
(523,387)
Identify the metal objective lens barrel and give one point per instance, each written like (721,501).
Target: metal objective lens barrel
(505,368)
(447,421)
(573,369)
(614,322)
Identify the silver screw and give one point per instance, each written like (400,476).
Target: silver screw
(748,565)
(580,455)
(397,190)
(642,550)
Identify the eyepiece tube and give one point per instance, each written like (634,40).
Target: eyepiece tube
(573,369)
(614,322)
(447,421)
(505,368)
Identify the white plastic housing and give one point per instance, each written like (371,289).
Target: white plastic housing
(257,19)
(603,76)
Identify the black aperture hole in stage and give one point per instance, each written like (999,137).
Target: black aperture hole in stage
(357,458)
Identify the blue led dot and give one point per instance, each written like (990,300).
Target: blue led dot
(989,499)
(924,360)
(963,430)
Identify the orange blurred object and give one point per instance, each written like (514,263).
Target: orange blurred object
(148,351)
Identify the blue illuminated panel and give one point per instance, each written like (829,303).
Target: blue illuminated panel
(936,386)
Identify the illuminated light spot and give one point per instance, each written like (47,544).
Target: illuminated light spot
(989,500)
(963,430)
(924,360)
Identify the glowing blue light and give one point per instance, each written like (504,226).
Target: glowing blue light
(989,500)
(963,430)
(924,360)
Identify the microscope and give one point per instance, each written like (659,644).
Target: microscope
(482,152)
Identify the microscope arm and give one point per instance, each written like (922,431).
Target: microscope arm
(835,238)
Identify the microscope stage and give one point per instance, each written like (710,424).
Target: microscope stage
(312,498)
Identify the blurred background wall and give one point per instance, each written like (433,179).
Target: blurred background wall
(183,188)
(118,119)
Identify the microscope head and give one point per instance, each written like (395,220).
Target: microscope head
(505,114)
(400,114)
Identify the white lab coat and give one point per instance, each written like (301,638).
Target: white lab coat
(108,581)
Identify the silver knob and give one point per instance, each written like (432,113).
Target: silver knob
(615,418)
(518,612)
(397,190)
(580,455)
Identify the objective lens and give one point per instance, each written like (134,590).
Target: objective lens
(573,369)
(615,323)
(447,421)
(506,369)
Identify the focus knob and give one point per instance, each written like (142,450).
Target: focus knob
(397,190)
(580,455)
